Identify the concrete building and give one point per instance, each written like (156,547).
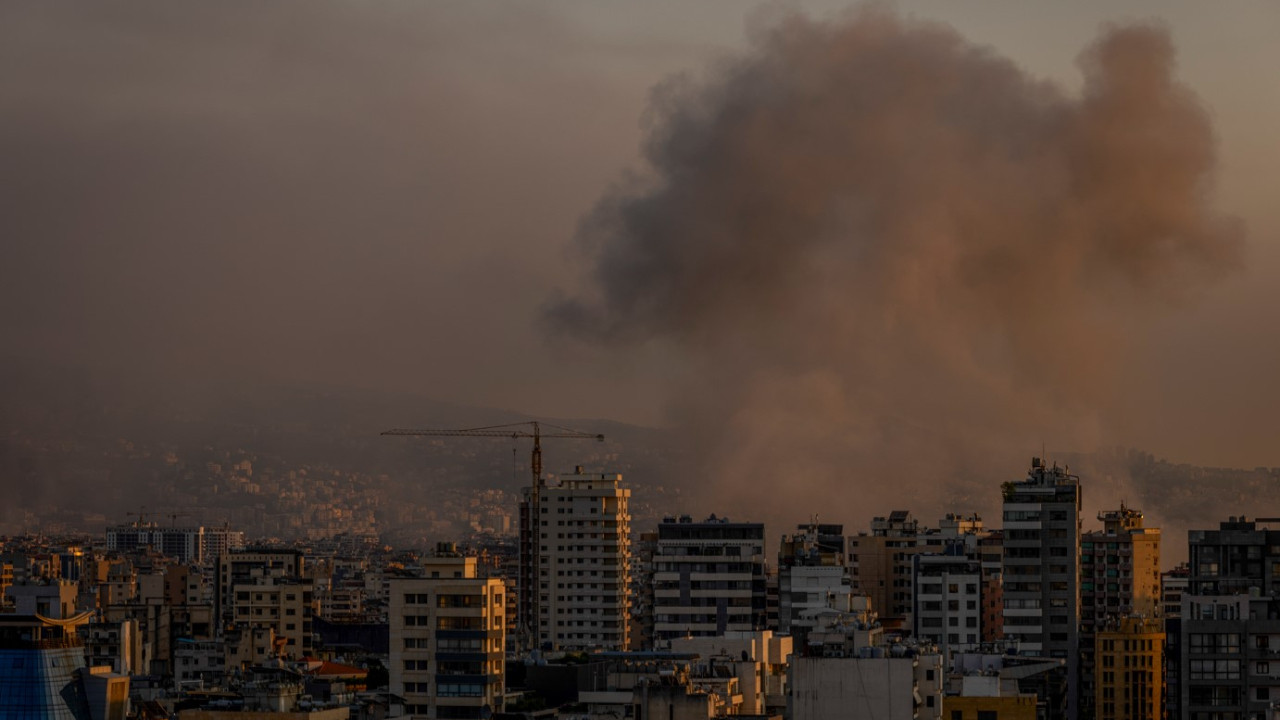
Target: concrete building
(184,544)
(849,669)
(1230,626)
(892,681)
(1041,569)
(584,563)
(1173,584)
(757,659)
(812,576)
(990,682)
(1129,669)
(250,566)
(1119,578)
(286,605)
(971,697)
(117,645)
(448,631)
(662,685)
(709,578)
(51,599)
(991,553)
(880,565)
(948,600)
(644,551)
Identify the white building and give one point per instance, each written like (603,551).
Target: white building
(812,576)
(448,630)
(584,563)
(948,601)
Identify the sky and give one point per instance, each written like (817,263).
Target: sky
(395,195)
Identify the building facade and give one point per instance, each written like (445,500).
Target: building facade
(812,576)
(1041,570)
(1129,669)
(448,632)
(1229,632)
(709,578)
(948,601)
(1119,578)
(584,563)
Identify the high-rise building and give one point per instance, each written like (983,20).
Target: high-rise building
(1041,570)
(190,545)
(1119,578)
(584,563)
(709,577)
(1230,627)
(812,576)
(948,600)
(1173,585)
(1129,653)
(448,632)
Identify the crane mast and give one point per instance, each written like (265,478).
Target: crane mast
(528,582)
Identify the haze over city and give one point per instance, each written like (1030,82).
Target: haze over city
(668,216)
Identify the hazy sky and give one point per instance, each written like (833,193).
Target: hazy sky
(386,194)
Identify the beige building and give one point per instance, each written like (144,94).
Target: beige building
(584,563)
(286,606)
(1129,672)
(880,565)
(757,659)
(448,631)
(1119,578)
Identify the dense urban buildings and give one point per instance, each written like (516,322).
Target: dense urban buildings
(677,623)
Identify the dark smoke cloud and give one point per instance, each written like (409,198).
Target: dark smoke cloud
(894,262)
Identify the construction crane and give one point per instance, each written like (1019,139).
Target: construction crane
(515,431)
(141,515)
(173,517)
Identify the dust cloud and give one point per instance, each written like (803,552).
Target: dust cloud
(892,265)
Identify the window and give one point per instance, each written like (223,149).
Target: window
(987,715)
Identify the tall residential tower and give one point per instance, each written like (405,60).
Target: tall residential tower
(1041,569)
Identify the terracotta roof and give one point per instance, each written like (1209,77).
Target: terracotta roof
(324,668)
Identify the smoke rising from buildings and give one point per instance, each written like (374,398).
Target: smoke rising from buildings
(890,261)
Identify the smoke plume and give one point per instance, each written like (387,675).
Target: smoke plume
(891,264)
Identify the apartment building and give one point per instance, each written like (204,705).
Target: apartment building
(448,630)
(584,563)
(709,578)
